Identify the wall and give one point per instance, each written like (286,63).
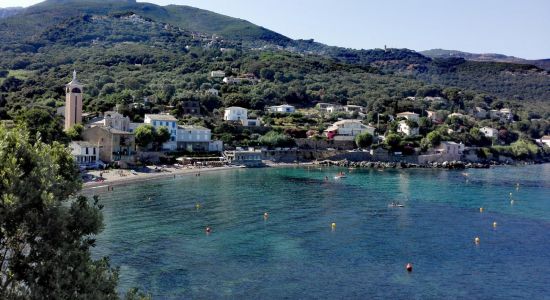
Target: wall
(324,144)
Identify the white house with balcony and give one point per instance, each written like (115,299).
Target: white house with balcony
(85,154)
(408,130)
(165,120)
(346,130)
(354,108)
(284,109)
(197,139)
(239,114)
(409,116)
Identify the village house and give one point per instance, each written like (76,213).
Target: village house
(245,78)
(434,116)
(456,115)
(111,119)
(406,129)
(409,116)
(503,115)
(85,154)
(285,109)
(248,157)
(489,132)
(346,130)
(451,149)
(114,145)
(217,74)
(479,113)
(212,91)
(166,120)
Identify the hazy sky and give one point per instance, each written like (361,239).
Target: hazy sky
(512,27)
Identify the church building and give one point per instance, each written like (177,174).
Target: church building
(73,103)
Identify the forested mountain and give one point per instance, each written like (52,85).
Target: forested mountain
(125,51)
(491,57)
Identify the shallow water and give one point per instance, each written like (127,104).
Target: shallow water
(156,236)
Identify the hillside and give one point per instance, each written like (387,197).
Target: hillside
(10,11)
(488,57)
(128,50)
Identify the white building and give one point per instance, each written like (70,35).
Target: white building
(409,116)
(112,119)
(217,74)
(545,140)
(450,148)
(354,108)
(488,131)
(285,109)
(213,92)
(197,139)
(235,113)
(407,130)
(346,130)
(85,154)
(165,120)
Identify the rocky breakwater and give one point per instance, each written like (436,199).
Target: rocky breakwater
(401,165)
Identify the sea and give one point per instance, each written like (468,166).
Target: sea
(155,233)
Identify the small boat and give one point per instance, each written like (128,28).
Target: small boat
(396,205)
(339,176)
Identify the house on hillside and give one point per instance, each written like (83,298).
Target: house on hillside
(479,113)
(545,140)
(190,107)
(217,74)
(285,109)
(488,131)
(239,114)
(346,130)
(354,108)
(408,130)
(450,148)
(409,116)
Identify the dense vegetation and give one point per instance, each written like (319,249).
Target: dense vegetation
(145,58)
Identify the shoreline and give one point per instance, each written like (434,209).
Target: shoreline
(129,178)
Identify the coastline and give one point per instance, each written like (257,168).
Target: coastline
(114,179)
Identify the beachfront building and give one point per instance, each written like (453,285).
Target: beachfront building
(85,154)
(346,130)
(166,120)
(489,132)
(248,157)
(114,145)
(404,127)
(409,116)
(196,139)
(73,103)
(451,149)
(284,109)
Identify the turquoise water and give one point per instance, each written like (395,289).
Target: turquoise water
(157,237)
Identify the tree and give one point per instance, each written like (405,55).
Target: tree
(162,135)
(275,139)
(41,122)
(145,135)
(75,132)
(363,140)
(393,140)
(45,237)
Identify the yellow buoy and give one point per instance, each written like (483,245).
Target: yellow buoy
(494,224)
(333,225)
(197,206)
(481,209)
(476,240)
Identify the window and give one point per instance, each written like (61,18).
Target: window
(86,150)
(154,123)
(94,151)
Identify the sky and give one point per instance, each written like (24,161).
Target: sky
(513,27)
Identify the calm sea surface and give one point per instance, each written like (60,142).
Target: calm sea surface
(155,234)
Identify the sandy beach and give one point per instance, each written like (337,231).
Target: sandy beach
(122,177)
